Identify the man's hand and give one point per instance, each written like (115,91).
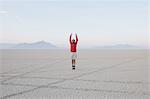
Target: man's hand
(70,37)
(76,38)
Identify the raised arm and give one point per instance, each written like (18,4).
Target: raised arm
(76,38)
(70,38)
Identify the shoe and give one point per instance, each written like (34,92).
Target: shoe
(73,67)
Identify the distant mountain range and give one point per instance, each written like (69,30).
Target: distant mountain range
(47,45)
(36,45)
(119,46)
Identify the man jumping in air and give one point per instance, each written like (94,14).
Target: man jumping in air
(73,49)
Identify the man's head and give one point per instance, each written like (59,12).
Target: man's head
(73,41)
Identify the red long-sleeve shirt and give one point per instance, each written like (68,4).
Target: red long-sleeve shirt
(73,46)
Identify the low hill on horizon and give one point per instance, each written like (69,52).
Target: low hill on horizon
(119,46)
(35,45)
(48,45)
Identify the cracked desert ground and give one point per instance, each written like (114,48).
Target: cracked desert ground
(99,74)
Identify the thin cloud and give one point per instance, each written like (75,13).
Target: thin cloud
(3,12)
(19,19)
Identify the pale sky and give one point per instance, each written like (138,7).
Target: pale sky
(97,22)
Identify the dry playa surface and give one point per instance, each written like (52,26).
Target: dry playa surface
(99,74)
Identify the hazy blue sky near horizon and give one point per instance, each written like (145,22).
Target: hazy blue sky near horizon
(97,22)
